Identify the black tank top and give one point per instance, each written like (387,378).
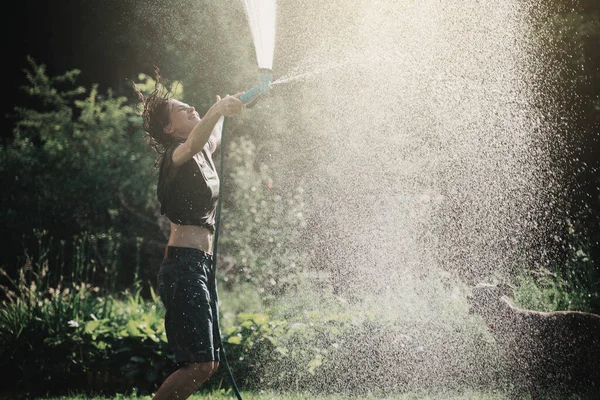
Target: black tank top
(188,194)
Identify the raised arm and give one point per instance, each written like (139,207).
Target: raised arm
(217,132)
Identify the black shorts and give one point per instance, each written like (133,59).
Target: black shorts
(187,287)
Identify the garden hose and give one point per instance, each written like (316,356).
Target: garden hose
(217,226)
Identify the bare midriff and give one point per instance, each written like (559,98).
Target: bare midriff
(197,237)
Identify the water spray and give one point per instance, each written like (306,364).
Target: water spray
(261,18)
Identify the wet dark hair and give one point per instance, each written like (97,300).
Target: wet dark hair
(154,110)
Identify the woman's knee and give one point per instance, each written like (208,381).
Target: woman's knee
(200,370)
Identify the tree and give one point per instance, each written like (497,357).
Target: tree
(77,163)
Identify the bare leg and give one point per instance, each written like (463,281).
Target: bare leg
(182,383)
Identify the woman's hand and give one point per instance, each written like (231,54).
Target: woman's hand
(230,105)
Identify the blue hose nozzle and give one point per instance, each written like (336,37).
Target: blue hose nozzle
(265,77)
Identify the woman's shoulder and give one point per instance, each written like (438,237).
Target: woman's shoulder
(166,165)
(167,156)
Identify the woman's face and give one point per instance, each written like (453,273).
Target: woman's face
(182,119)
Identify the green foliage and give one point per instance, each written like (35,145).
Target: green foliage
(572,284)
(131,343)
(60,337)
(65,334)
(244,297)
(543,290)
(260,238)
(147,83)
(79,157)
(319,343)
(281,352)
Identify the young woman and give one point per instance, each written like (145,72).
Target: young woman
(188,190)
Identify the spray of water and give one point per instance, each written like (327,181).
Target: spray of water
(296,75)
(419,149)
(261,16)
(430,109)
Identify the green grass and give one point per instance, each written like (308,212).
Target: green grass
(221,395)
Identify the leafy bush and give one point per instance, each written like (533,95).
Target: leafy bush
(62,337)
(320,343)
(266,221)
(543,290)
(79,157)
(571,284)
(58,334)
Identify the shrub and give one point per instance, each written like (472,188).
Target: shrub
(64,337)
(266,222)
(543,290)
(79,157)
(58,334)
(319,343)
